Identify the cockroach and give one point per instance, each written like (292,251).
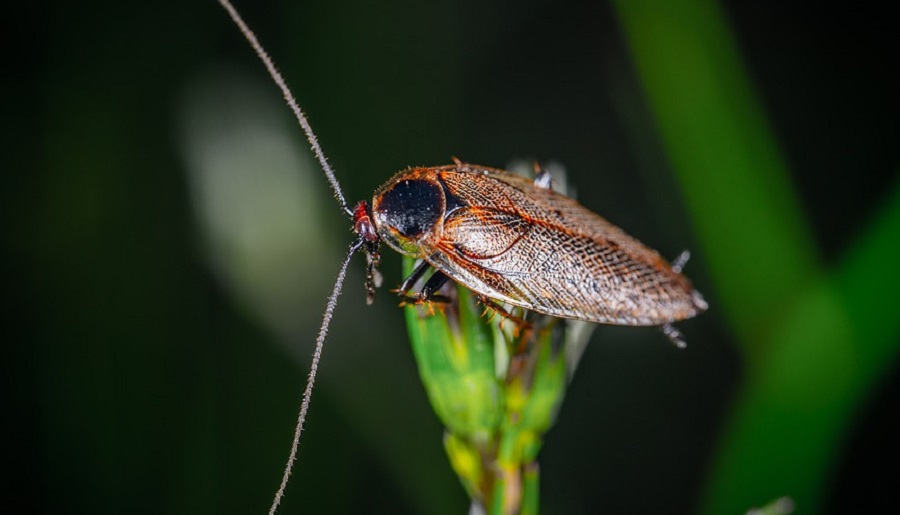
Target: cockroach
(509,239)
(517,241)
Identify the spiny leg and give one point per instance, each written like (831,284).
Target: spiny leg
(429,290)
(433,284)
(410,281)
(495,308)
(373,276)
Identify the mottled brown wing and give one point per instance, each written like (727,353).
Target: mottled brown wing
(540,250)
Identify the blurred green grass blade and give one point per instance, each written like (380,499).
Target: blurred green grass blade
(793,413)
(755,240)
(869,282)
(814,345)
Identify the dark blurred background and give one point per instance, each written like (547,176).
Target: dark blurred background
(168,243)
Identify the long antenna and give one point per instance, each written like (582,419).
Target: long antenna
(339,282)
(291,102)
(317,355)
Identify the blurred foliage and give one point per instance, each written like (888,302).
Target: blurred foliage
(151,367)
(811,357)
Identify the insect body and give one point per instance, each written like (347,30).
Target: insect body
(517,241)
(505,237)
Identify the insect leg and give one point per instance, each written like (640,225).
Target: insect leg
(674,335)
(432,285)
(494,307)
(542,177)
(428,291)
(680,261)
(410,281)
(373,276)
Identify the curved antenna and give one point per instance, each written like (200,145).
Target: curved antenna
(291,102)
(317,355)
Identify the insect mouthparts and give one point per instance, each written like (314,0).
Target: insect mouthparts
(369,241)
(362,222)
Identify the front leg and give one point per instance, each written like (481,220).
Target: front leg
(410,281)
(429,289)
(432,285)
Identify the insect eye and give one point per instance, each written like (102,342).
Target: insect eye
(411,207)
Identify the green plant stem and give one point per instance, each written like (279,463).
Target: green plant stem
(496,385)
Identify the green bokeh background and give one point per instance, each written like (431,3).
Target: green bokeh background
(143,377)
